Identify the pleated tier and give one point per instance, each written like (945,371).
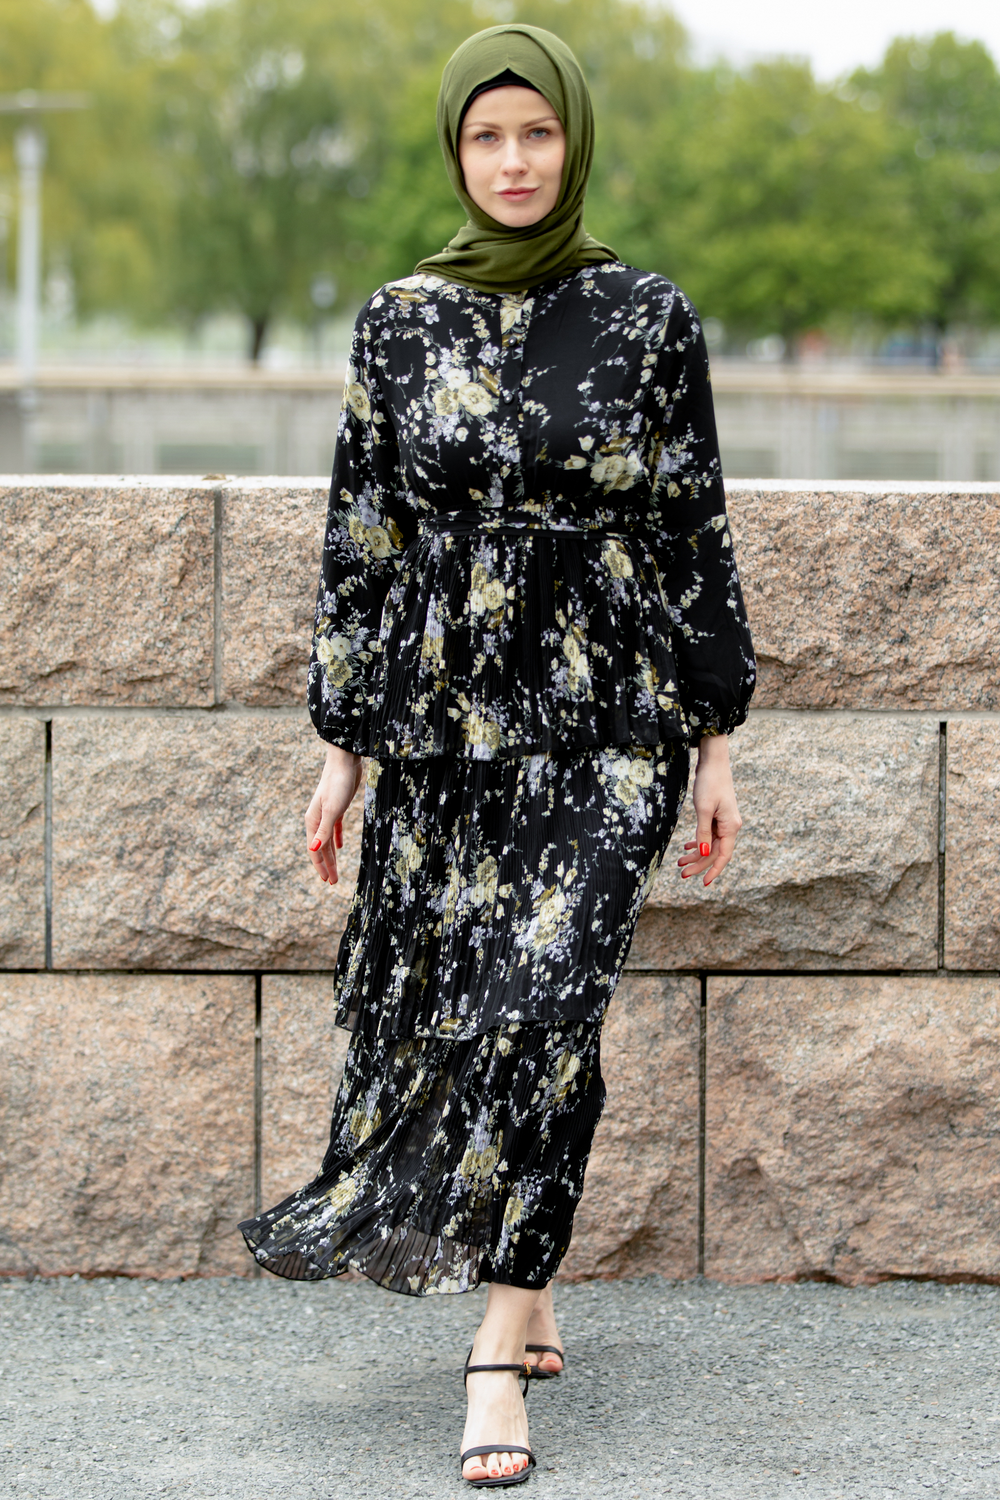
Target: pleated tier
(503,891)
(449,1163)
(505,638)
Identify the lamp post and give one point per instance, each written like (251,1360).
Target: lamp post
(29,153)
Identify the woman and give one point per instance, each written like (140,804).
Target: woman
(529,609)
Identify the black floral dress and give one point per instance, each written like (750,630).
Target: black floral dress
(529,609)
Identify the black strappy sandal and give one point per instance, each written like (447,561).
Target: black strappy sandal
(522,1474)
(537,1373)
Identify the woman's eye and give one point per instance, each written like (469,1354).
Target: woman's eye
(540,130)
(485,135)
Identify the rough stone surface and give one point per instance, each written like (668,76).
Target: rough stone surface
(106,594)
(853,1128)
(178,843)
(972,889)
(22,844)
(272,543)
(302,1054)
(639,1212)
(836,865)
(868,599)
(127,1123)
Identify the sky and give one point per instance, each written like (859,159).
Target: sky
(836,37)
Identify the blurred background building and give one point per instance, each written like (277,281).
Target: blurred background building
(247,171)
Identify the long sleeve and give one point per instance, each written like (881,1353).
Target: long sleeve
(691,536)
(368,527)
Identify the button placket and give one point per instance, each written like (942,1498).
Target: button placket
(515,317)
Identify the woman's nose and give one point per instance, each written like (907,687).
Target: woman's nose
(513,159)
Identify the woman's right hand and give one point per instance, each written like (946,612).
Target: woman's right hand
(340,780)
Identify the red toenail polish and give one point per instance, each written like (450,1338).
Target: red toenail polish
(704,850)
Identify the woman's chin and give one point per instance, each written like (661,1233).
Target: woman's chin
(518,216)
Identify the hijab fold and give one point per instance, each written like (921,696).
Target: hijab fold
(486,254)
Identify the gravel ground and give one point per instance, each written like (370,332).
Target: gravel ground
(251,1389)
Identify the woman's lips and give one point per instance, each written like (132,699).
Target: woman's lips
(516,195)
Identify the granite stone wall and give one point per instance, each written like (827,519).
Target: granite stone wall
(803,1063)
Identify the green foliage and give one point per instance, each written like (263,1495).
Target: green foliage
(794,207)
(237,153)
(942,99)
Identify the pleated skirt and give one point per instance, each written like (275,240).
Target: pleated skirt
(495,906)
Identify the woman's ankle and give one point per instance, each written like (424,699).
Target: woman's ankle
(497,1347)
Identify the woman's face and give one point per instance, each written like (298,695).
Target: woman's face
(511,150)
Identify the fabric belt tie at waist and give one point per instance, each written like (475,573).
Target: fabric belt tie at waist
(471,522)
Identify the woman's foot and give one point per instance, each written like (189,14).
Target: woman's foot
(542,1330)
(496,1408)
(496,1414)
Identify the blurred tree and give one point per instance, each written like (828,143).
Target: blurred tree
(243,153)
(943,99)
(276,123)
(793,214)
(102,211)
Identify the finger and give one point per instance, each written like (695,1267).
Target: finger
(724,854)
(321,850)
(324,862)
(703,835)
(325,829)
(321,847)
(338,834)
(695,862)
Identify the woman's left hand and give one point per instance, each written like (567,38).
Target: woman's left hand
(719,818)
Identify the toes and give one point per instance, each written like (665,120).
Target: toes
(474,1468)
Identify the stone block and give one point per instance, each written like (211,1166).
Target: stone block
(836,865)
(106,594)
(302,1053)
(972,888)
(126,1123)
(865,598)
(179,843)
(272,544)
(639,1213)
(22,844)
(853,1128)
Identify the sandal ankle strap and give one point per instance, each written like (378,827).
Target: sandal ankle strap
(523,1370)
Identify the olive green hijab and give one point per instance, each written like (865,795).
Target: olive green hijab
(484,253)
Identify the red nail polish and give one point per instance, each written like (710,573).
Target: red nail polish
(314,847)
(704,850)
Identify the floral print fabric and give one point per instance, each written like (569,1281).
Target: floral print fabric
(527,546)
(501,892)
(495,908)
(449,1163)
(529,606)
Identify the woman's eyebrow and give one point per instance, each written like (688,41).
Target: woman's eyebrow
(491,125)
